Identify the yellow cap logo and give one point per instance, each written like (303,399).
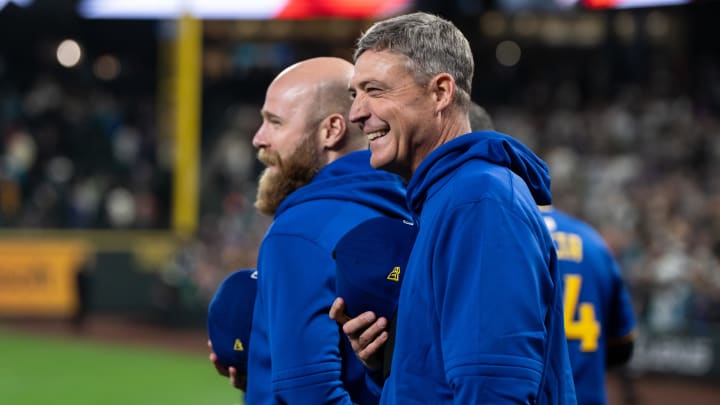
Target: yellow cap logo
(394,274)
(238,346)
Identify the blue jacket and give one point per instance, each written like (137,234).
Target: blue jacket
(480,316)
(296,354)
(598,310)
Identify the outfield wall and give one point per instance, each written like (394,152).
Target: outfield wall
(65,274)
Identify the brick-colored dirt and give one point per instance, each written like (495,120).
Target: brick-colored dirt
(118,331)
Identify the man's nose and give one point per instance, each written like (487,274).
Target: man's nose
(358,111)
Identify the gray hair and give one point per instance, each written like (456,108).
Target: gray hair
(431,44)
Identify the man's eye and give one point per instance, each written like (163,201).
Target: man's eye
(371,90)
(352,95)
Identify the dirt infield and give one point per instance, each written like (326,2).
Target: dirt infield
(662,390)
(119,331)
(635,390)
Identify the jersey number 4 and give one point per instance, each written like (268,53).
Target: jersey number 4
(586,328)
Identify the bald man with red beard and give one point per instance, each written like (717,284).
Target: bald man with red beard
(318,185)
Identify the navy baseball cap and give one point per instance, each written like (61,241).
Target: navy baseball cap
(370,260)
(230,316)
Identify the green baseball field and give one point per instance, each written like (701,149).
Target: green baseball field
(38,370)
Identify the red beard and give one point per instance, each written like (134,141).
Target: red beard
(291,174)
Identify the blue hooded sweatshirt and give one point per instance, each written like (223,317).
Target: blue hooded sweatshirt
(480,316)
(296,354)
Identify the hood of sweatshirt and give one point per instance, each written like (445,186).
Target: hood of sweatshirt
(491,146)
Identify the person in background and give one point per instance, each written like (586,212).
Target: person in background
(480,120)
(599,315)
(479,316)
(318,184)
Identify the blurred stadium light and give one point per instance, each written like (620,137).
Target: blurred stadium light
(69,53)
(593,4)
(21,3)
(243,9)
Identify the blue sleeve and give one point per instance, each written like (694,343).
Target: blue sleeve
(493,289)
(304,341)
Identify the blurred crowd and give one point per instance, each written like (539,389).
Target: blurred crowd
(74,154)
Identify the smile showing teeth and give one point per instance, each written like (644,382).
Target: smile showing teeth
(376,135)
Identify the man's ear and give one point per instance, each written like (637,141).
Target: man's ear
(443,89)
(332,131)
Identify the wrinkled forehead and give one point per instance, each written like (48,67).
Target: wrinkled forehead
(380,65)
